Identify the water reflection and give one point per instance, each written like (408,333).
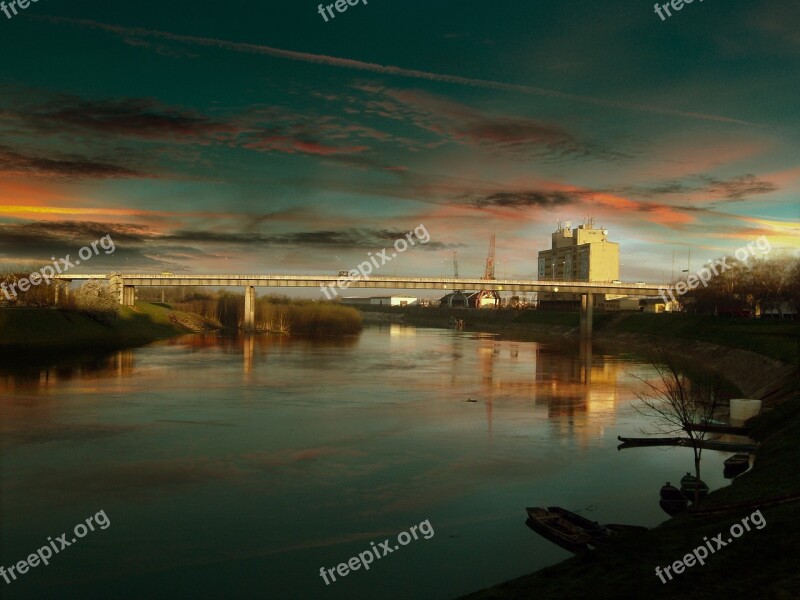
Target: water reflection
(505,371)
(31,373)
(294,453)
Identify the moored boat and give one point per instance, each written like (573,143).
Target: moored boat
(736,465)
(597,532)
(672,502)
(649,441)
(673,507)
(558,530)
(689,483)
(670,493)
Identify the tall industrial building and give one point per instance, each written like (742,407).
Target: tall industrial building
(580,254)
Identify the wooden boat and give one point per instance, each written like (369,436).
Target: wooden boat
(558,530)
(736,465)
(685,442)
(597,532)
(649,441)
(670,493)
(674,507)
(688,484)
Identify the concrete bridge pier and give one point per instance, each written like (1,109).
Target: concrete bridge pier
(249,308)
(128,295)
(587,303)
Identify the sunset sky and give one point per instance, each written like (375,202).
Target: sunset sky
(254,137)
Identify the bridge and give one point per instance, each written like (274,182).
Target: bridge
(125,285)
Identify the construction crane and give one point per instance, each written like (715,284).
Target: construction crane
(457,299)
(489,275)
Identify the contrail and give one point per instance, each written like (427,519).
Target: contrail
(347,63)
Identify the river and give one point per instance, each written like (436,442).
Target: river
(239,467)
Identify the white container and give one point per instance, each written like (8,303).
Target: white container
(744,408)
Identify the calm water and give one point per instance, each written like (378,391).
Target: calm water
(240,467)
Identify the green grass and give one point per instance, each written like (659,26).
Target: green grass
(51,328)
(778,339)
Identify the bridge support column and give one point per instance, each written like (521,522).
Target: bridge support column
(587,303)
(128,295)
(249,308)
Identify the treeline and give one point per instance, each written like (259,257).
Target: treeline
(94,298)
(769,286)
(41,295)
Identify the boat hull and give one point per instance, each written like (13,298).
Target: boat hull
(558,530)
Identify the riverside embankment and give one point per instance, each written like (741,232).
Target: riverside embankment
(760,358)
(54,330)
(760,564)
(757,357)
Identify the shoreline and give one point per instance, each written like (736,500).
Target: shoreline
(610,573)
(48,331)
(751,372)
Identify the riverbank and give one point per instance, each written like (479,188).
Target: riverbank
(46,329)
(760,564)
(773,338)
(760,358)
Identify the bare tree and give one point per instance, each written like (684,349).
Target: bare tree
(97,300)
(679,404)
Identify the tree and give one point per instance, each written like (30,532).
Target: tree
(97,300)
(679,404)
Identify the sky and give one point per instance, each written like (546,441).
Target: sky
(259,137)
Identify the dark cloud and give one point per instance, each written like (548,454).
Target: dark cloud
(453,121)
(733,189)
(739,188)
(72,167)
(99,122)
(354,238)
(67,233)
(32,244)
(140,118)
(522,199)
(141,248)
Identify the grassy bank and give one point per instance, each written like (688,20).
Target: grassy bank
(45,328)
(775,338)
(760,564)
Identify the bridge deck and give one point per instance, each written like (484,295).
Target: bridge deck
(379,281)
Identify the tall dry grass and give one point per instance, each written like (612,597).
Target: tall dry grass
(279,314)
